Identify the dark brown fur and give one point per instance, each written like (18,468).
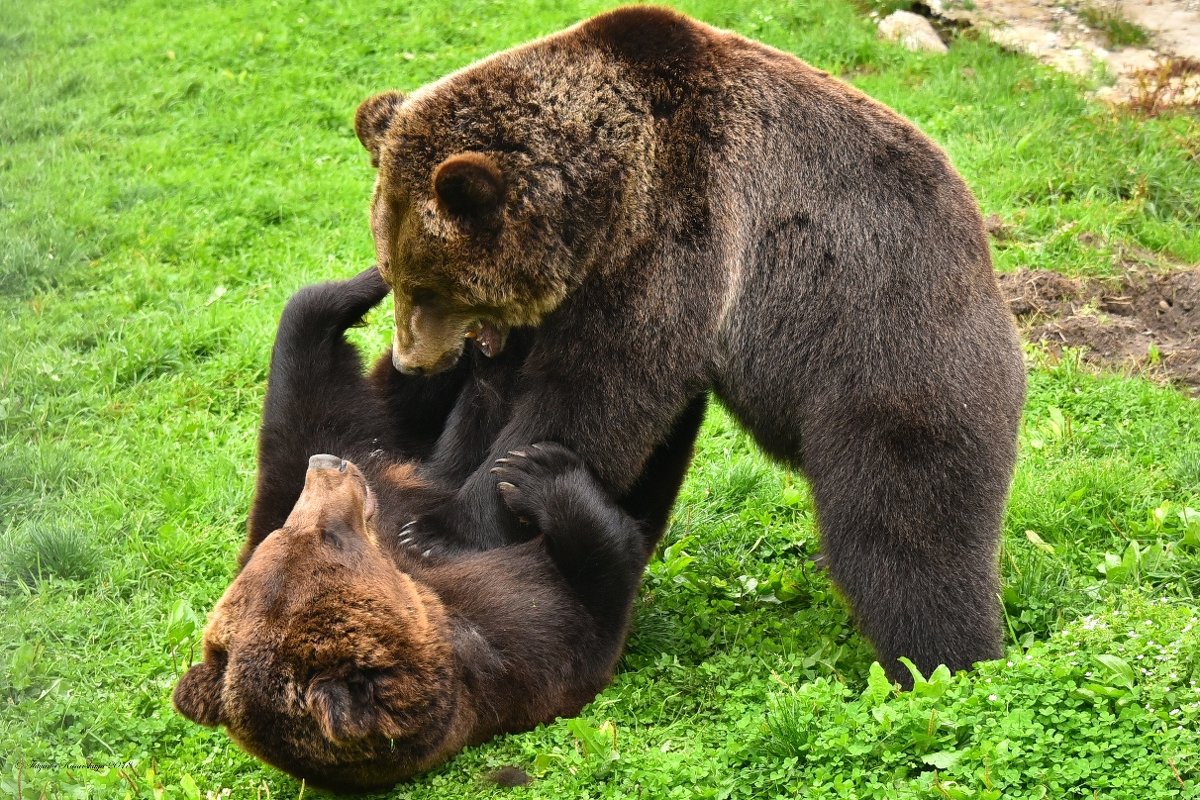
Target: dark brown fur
(680,209)
(343,656)
(345,659)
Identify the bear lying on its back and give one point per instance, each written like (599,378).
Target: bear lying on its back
(343,660)
(343,657)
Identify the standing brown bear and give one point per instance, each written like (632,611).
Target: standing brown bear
(678,209)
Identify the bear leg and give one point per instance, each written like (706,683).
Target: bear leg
(910,529)
(595,545)
(652,497)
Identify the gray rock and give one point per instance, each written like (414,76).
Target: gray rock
(912,31)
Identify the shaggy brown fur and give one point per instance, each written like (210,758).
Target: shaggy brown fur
(343,656)
(354,663)
(679,209)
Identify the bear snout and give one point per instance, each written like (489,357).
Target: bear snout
(326,461)
(334,489)
(407,364)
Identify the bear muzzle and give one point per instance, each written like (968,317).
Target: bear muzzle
(333,487)
(415,364)
(326,461)
(489,338)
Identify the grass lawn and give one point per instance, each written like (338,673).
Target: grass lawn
(171,172)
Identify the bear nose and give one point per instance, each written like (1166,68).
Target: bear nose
(326,461)
(404,369)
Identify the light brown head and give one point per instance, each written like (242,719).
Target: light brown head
(499,189)
(322,658)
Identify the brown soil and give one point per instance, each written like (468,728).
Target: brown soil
(1143,321)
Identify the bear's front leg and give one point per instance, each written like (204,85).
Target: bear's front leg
(474,519)
(595,545)
(595,394)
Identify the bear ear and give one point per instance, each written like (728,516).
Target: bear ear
(372,120)
(198,695)
(351,708)
(469,186)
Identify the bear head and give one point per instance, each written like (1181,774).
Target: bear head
(322,658)
(499,189)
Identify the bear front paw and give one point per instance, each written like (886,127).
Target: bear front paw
(417,537)
(528,478)
(456,526)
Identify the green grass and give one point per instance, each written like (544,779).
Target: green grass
(171,172)
(1118,30)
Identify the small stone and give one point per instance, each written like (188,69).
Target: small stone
(510,777)
(995,226)
(912,31)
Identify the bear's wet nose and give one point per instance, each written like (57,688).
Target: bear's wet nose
(326,461)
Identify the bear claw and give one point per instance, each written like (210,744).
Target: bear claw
(529,476)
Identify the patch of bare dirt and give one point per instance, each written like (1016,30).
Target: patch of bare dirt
(1159,71)
(1142,321)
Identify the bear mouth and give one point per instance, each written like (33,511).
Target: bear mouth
(370,504)
(488,337)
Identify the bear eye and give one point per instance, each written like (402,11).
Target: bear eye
(425,297)
(331,537)
(338,534)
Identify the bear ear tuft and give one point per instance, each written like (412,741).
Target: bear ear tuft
(344,708)
(199,693)
(372,120)
(354,706)
(469,186)
(334,709)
